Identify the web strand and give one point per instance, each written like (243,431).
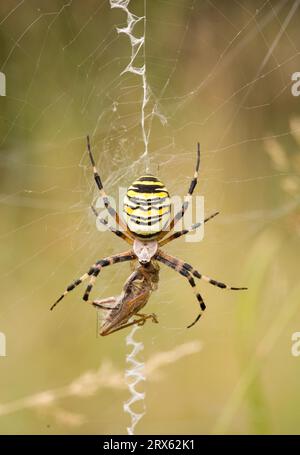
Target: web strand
(134,372)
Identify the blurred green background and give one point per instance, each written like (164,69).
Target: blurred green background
(219,73)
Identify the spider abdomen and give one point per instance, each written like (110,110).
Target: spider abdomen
(147,207)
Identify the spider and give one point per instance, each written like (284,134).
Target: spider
(146,225)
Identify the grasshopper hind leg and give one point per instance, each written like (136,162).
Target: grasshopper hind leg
(110,303)
(138,318)
(144,317)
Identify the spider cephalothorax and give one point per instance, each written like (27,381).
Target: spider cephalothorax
(144,251)
(147,228)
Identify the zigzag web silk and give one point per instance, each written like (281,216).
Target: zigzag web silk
(134,373)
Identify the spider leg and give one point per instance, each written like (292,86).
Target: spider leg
(107,204)
(186,203)
(123,257)
(74,284)
(104,262)
(178,264)
(115,231)
(192,283)
(178,234)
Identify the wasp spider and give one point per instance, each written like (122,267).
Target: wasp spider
(147,215)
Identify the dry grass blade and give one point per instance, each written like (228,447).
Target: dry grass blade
(107,376)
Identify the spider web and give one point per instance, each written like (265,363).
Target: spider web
(216,74)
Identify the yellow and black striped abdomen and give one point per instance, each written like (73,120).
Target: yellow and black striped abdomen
(147,207)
